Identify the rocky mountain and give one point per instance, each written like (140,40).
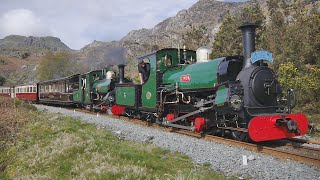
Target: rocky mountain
(168,33)
(207,13)
(17,46)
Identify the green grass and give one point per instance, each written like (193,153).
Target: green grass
(68,148)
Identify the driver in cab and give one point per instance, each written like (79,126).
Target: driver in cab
(144,70)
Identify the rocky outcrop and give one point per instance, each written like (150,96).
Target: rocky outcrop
(21,46)
(168,33)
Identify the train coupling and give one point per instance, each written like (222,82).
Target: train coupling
(292,125)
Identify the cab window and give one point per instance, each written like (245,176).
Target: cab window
(167,60)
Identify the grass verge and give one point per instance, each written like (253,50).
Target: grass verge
(66,148)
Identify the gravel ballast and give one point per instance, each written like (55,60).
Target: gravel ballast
(221,157)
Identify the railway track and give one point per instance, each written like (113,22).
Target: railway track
(307,155)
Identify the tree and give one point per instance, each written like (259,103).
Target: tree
(56,65)
(228,39)
(2,80)
(196,37)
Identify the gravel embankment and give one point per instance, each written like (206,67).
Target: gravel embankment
(223,158)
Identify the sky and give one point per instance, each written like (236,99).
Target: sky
(79,22)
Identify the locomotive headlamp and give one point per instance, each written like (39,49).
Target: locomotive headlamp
(236,102)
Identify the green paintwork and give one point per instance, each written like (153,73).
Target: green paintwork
(102,86)
(222,95)
(83,94)
(77,93)
(148,95)
(202,75)
(125,96)
(149,89)
(174,55)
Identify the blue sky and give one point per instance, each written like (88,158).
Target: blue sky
(78,23)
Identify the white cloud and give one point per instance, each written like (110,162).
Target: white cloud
(79,23)
(22,22)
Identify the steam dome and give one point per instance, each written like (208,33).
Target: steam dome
(203,54)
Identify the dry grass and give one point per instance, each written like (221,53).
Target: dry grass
(14,114)
(69,149)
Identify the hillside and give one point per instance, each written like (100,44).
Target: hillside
(17,46)
(169,33)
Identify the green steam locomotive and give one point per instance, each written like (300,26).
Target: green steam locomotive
(236,95)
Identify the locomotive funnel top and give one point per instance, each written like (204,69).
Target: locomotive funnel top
(121,73)
(248,42)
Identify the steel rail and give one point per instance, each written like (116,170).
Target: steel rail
(282,154)
(304,141)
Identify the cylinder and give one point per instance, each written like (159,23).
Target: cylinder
(121,73)
(248,42)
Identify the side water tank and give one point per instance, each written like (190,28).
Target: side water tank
(203,54)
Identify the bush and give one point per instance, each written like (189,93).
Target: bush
(305,82)
(15,114)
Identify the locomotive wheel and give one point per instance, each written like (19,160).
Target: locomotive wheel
(239,136)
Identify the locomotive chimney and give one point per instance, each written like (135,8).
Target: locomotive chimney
(248,42)
(121,73)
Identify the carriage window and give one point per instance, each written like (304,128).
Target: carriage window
(76,85)
(63,87)
(35,89)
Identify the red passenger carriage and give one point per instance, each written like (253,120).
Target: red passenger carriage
(26,92)
(5,91)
